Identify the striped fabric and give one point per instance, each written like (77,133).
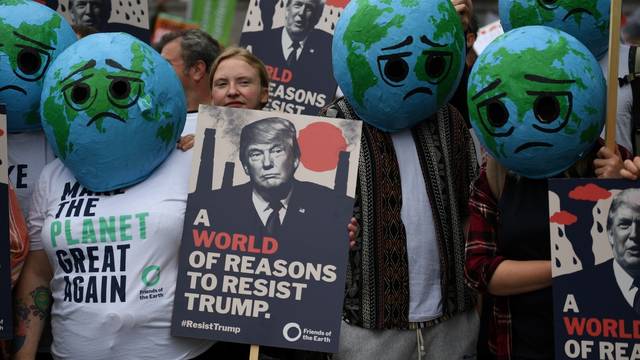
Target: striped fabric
(377,294)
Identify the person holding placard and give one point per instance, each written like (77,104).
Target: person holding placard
(527,118)
(107,215)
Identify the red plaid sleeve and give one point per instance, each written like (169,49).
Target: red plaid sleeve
(481,254)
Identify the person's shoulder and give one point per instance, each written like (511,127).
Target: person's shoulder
(320,34)
(319,38)
(233,192)
(309,186)
(251,36)
(316,195)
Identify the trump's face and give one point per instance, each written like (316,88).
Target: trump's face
(301,17)
(270,165)
(624,234)
(90,12)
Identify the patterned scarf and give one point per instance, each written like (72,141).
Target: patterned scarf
(377,294)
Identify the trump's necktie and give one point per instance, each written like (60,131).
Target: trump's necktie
(636,298)
(293,55)
(273,221)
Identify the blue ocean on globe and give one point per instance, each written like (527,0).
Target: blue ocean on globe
(112,109)
(32,37)
(398,61)
(537,120)
(586,20)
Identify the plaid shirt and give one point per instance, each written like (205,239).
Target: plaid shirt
(482,259)
(482,255)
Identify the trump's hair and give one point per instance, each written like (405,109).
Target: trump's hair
(619,199)
(266,131)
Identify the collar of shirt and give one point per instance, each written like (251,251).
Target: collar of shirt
(287,42)
(625,282)
(264,210)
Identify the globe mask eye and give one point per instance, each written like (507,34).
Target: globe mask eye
(123,91)
(494,116)
(393,68)
(437,64)
(552,109)
(79,95)
(549,4)
(31,63)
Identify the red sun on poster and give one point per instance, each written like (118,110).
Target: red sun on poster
(320,146)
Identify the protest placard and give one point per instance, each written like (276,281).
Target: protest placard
(296,50)
(264,251)
(595,257)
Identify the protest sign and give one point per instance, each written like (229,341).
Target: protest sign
(595,256)
(131,17)
(264,251)
(297,53)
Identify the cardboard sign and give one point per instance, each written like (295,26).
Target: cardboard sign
(131,17)
(486,35)
(595,256)
(249,273)
(6,327)
(301,83)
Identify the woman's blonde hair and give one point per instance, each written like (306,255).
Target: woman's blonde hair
(246,56)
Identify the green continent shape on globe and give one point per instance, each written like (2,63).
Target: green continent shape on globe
(46,35)
(46,31)
(142,59)
(441,35)
(532,13)
(99,102)
(508,64)
(13,2)
(97,79)
(361,33)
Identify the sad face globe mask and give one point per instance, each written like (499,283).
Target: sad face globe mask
(398,61)
(112,109)
(32,36)
(586,20)
(536,100)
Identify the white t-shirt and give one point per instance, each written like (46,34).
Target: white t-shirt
(29,152)
(425,290)
(625,99)
(114,258)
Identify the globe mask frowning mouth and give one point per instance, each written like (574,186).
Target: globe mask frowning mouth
(103,93)
(430,66)
(577,11)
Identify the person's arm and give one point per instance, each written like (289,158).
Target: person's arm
(481,250)
(485,269)
(518,277)
(32,305)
